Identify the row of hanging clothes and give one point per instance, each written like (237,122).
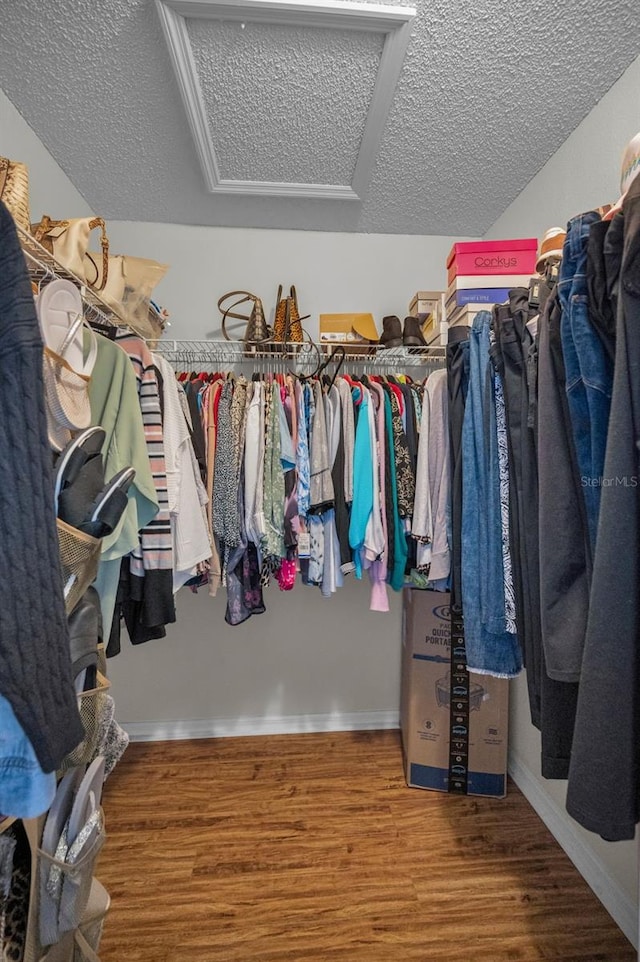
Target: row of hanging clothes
(545,543)
(311,479)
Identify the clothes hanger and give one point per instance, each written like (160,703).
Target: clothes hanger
(339,353)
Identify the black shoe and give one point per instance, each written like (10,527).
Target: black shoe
(391,332)
(412,335)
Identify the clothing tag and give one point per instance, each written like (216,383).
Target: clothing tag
(105,329)
(534,292)
(304,545)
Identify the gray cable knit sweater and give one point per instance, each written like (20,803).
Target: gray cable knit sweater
(35,664)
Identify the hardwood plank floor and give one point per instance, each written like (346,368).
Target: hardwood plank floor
(310,848)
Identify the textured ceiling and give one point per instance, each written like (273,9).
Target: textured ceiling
(488,91)
(317,105)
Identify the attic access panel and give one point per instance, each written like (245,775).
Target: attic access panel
(369,31)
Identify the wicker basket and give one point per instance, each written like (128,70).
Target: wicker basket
(91,705)
(79,557)
(14,191)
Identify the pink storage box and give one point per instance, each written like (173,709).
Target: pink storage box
(516,256)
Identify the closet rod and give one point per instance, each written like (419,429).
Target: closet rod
(306,355)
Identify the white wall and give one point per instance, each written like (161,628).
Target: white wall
(307,656)
(333,272)
(583,174)
(51,192)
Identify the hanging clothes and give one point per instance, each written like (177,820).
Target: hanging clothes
(363,480)
(457,381)
(378,569)
(332,577)
(113,393)
(210,407)
(565,553)
(491,649)
(397,541)
(273,541)
(254,466)
(149,605)
(187,496)
(285,443)
(604,776)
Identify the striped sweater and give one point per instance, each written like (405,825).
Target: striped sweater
(153,558)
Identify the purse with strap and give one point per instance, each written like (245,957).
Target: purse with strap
(287,325)
(111,288)
(14,191)
(257,330)
(68,242)
(129,285)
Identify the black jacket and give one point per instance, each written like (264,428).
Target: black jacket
(604,779)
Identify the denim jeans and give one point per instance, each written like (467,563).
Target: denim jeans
(588,367)
(600,283)
(25,790)
(490,647)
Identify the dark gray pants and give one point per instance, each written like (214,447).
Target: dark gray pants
(565,564)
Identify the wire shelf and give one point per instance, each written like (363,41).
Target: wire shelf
(302,358)
(42,265)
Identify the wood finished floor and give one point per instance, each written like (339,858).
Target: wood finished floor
(311,847)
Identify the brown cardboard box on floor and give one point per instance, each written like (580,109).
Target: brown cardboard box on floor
(454,723)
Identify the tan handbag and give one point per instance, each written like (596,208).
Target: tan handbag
(257,330)
(111,290)
(68,242)
(14,191)
(141,274)
(128,288)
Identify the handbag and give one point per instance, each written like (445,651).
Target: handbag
(287,324)
(141,275)
(14,191)
(128,288)
(257,330)
(111,289)
(68,242)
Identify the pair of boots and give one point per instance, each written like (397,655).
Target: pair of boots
(394,336)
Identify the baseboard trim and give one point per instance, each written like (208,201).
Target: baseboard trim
(592,869)
(257,725)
